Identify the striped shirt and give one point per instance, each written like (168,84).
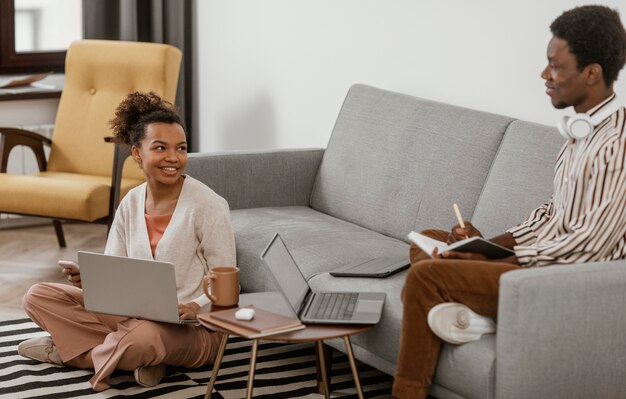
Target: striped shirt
(585,219)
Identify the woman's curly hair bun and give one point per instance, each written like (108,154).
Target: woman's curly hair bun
(137,111)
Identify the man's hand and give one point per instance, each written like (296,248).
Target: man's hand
(188,311)
(459,233)
(473,256)
(464,255)
(72,271)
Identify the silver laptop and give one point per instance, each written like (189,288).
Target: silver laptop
(319,307)
(144,289)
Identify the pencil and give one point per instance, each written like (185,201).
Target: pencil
(458,215)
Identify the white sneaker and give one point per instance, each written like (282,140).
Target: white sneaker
(457,324)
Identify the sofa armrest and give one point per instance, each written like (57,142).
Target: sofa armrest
(259,179)
(562,332)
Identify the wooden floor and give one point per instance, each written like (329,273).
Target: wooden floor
(29,255)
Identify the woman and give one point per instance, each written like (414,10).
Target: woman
(172,218)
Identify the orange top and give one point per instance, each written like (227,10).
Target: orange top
(156,225)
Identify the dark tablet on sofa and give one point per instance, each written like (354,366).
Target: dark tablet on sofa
(374,268)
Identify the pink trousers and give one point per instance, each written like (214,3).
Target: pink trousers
(104,342)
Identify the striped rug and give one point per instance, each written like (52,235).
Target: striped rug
(283,371)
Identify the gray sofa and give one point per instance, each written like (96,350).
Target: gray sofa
(396,163)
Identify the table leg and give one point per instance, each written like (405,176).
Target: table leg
(355,373)
(255,346)
(216,365)
(322,367)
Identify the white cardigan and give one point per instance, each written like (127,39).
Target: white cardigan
(198,237)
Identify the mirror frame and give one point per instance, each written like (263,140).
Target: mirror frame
(12,62)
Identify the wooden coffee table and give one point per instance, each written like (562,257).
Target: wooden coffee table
(311,333)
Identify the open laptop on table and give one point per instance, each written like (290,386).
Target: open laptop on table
(320,307)
(144,289)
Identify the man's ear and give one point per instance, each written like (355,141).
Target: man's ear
(595,74)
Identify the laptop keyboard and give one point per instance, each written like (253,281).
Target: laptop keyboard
(332,305)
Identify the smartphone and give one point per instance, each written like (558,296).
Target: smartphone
(68,264)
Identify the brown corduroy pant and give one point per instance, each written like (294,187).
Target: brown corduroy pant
(430,282)
(104,343)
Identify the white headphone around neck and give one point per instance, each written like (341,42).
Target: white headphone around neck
(579,126)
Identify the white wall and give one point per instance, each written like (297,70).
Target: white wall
(273,73)
(28,112)
(31,115)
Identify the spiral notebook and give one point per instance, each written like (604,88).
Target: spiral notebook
(473,244)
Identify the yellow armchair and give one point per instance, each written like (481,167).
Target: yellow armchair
(82,180)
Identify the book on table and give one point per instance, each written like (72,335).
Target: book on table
(264,322)
(472,244)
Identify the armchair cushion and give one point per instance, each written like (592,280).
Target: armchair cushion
(68,195)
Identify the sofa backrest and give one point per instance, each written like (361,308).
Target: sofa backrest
(521,178)
(397,163)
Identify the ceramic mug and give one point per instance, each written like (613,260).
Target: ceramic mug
(221,285)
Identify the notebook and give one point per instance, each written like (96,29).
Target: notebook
(139,288)
(473,244)
(374,268)
(263,323)
(319,307)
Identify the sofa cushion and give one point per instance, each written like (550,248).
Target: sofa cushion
(467,368)
(384,338)
(317,242)
(60,195)
(522,173)
(396,163)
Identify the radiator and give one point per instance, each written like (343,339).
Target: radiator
(22,161)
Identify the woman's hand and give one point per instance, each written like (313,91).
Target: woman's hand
(188,311)
(459,233)
(72,271)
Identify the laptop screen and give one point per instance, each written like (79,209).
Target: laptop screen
(286,272)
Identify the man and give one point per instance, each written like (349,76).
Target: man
(584,220)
